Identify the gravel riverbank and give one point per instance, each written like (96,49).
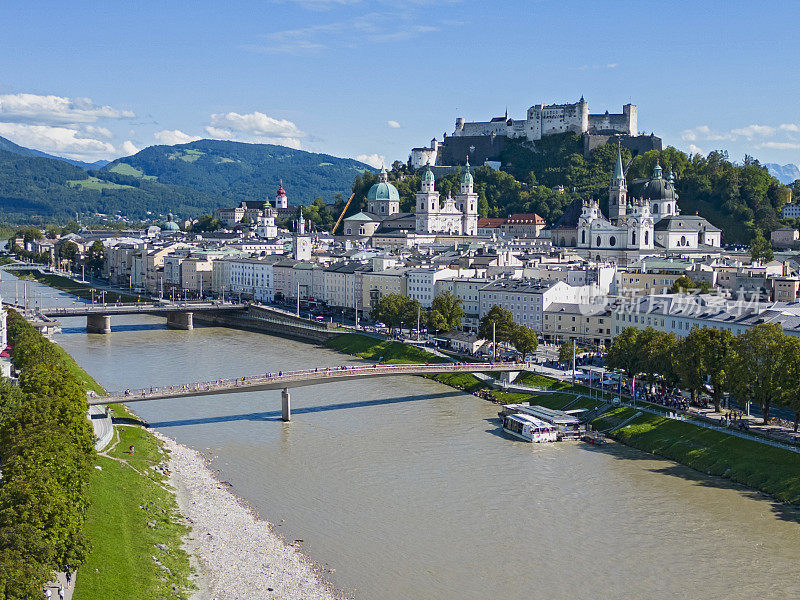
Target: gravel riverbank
(240,556)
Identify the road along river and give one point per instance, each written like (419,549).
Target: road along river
(406,488)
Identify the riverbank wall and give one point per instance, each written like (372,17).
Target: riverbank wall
(765,468)
(272,322)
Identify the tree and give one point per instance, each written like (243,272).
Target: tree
(445,313)
(394,309)
(499,320)
(754,370)
(566,351)
(206,223)
(760,248)
(69,250)
(689,363)
(716,348)
(525,340)
(655,352)
(95,257)
(790,376)
(623,352)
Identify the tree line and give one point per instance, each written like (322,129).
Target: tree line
(761,365)
(46,455)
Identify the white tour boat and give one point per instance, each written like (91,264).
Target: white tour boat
(529,428)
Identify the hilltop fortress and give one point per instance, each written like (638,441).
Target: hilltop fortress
(549,119)
(485,140)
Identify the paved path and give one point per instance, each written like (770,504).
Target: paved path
(53,587)
(103,428)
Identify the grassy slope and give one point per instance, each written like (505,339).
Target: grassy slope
(129,515)
(372,349)
(765,468)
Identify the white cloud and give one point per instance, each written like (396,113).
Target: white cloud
(393,124)
(255,127)
(374,27)
(35,109)
(704,132)
(100,132)
(780,145)
(373,160)
(790,127)
(695,150)
(256,124)
(129,148)
(754,130)
(170,137)
(63,141)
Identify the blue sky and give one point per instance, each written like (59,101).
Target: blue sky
(364,78)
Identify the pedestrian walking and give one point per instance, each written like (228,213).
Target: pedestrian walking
(61,591)
(68,576)
(47,593)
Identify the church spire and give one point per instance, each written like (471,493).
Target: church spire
(619,172)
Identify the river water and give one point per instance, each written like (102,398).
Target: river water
(407,490)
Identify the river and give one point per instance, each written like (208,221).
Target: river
(407,490)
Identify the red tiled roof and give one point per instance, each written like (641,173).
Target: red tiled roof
(490,222)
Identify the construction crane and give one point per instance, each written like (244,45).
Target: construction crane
(341,216)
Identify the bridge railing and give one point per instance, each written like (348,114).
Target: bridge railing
(137,307)
(307,375)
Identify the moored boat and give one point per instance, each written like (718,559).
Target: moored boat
(529,428)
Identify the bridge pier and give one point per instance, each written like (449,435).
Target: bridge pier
(286,405)
(180,320)
(98,324)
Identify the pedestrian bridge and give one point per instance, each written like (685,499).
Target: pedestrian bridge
(283,380)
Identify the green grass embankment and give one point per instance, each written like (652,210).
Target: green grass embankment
(133,517)
(81,290)
(771,470)
(388,352)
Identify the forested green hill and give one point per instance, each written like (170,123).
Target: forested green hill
(45,190)
(235,171)
(187,180)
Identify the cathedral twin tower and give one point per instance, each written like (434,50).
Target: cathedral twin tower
(457,216)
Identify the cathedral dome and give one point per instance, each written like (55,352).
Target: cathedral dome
(170,225)
(659,188)
(383,190)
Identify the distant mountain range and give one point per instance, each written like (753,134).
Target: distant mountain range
(10,146)
(187,179)
(786,174)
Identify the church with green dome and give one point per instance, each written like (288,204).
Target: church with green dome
(383,199)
